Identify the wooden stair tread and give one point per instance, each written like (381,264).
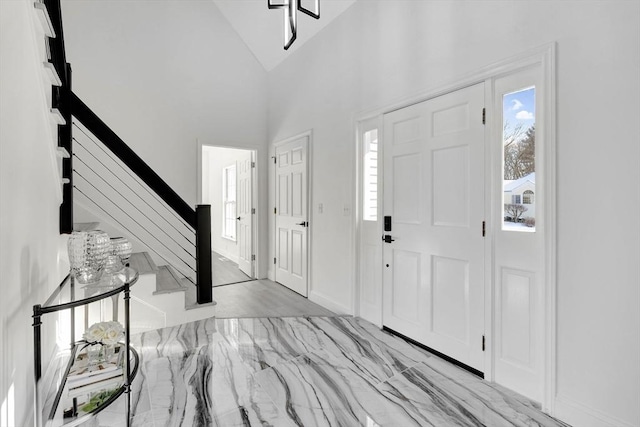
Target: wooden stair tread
(85,226)
(142,263)
(168,281)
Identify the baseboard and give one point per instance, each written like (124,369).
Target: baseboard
(228,255)
(270,275)
(329,304)
(579,414)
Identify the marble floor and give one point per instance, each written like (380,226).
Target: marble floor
(305,371)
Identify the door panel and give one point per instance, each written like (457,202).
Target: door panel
(291,215)
(434,191)
(450,184)
(407,280)
(450,283)
(244,213)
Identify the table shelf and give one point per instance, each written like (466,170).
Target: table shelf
(67,296)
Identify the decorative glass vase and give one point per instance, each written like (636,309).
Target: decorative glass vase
(113,264)
(97,354)
(88,251)
(121,247)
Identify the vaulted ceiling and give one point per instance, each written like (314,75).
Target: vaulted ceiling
(262,29)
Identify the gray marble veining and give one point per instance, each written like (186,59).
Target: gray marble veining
(306,371)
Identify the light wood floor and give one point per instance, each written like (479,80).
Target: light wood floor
(225,271)
(263,298)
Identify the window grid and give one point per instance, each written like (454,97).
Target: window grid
(370,175)
(229,202)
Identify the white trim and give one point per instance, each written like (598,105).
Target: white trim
(51,73)
(225,201)
(328,303)
(226,254)
(584,415)
(548,63)
(529,58)
(544,56)
(361,125)
(44,19)
(489,253)
(309,135)
(255,198)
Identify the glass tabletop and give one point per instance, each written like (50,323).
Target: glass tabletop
(70,293)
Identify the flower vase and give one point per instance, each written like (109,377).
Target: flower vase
(88,252)
(97,354)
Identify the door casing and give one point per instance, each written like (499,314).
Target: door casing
(255,235)
(309,136)
(545,58)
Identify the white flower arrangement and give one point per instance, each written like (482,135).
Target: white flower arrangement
(107,333)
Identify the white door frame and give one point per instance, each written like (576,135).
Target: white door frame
(272,191)
(545,58)
(255,240)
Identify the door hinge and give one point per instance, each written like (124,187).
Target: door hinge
(484,228)
(484,116)
(483,343)
(253,211)
(275,211)
(274,260)
(253,257)
(274,159)
(253,164)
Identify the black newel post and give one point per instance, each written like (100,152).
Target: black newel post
(203,254)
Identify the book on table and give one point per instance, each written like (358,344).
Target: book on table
(85,371)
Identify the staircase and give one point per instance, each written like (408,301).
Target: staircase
(161,297)
(106,184)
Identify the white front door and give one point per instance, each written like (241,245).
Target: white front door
(244,213)
(433,280)
(291,215)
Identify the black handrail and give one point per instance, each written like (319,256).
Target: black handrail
(70,105)
(118,147)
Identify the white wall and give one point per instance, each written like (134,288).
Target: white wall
(380,52)
(32,252)
(218,159)
(163,74)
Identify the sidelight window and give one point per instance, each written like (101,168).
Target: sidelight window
(519,153)
(370,175)
(229,202)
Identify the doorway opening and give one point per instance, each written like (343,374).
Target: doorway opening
(228,186)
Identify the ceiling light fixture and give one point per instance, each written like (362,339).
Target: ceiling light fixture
(290,24)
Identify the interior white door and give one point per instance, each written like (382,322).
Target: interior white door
(291,215)
(244,213)
(433,280)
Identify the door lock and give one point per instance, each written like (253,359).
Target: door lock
(388,238)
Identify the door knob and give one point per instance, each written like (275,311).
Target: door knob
(304,223)
(388,238)
(238,218)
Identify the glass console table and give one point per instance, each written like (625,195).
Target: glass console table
(72,406)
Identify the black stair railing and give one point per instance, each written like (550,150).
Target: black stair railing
(199,219)
(71,106)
